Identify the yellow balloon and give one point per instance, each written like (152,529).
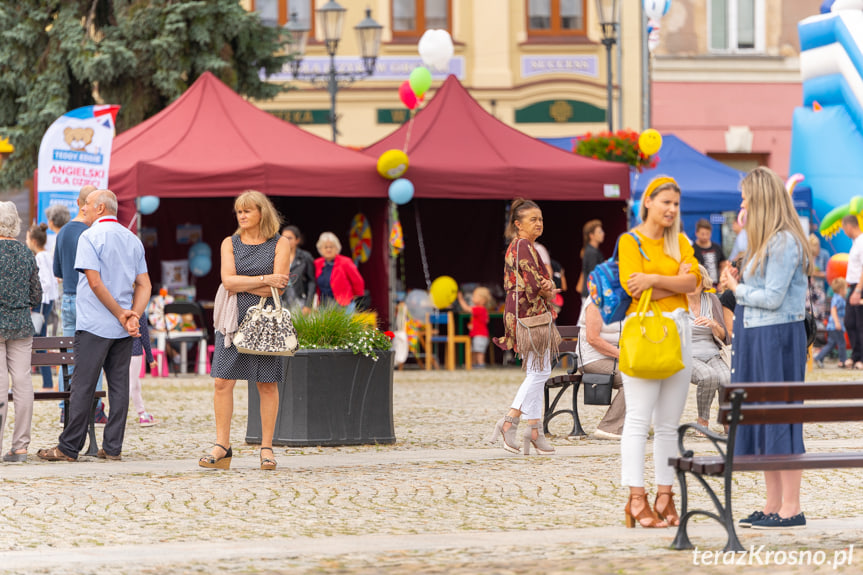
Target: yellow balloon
(443,292)
(392,164)
(650,141)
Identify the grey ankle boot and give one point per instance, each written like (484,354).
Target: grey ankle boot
(541,444)
(510,443)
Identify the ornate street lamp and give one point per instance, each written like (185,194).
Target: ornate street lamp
(608,12)
(332,16)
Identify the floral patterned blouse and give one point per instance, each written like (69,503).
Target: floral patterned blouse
(527,276)
(19,289)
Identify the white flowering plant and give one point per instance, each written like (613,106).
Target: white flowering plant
(334,327)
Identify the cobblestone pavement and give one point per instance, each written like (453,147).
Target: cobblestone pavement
(440,500)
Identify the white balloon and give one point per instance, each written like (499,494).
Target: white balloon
(436,49)
(656,9)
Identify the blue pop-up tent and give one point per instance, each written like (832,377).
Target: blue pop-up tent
(708,186)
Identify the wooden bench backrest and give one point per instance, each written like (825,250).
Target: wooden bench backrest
(569,336)
(51,358)
(815,402)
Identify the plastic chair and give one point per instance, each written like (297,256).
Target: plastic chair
(161,367)
(184,338)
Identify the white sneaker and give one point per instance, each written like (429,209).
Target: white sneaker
(600,434)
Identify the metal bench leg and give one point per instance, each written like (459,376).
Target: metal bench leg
(547,414)
(93,449)
(577,430)
(681,539)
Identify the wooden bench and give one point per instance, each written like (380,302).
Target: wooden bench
(744,403)
(59,351)
(561,383)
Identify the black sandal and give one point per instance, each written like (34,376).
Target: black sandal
(213,462)
(267,463)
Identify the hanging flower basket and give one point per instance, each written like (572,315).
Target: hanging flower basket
(620,146)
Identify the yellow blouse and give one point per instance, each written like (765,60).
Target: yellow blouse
(631,261)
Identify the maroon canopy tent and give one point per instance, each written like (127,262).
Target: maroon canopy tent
(458,151)
(209,145)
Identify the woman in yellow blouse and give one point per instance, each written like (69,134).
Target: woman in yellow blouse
(663,261)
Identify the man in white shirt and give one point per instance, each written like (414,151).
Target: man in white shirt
(854,277)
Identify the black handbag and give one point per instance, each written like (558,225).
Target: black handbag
(597,386)
(810,322)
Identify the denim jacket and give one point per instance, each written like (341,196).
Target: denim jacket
(776,293)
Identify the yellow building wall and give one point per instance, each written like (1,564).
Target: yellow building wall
(491,41)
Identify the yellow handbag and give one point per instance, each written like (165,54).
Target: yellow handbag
(650,344)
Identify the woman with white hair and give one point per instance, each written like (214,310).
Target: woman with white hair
(19,291)
(337,277)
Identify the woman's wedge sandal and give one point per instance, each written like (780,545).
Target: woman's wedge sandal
(213,462)
(267,463)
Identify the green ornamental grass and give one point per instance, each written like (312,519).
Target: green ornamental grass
(333,327)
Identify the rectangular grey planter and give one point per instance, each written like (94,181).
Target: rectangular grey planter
(330,397)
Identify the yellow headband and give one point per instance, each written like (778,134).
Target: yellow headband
(658,183)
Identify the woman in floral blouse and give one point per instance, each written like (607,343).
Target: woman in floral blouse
(19,291)
(529,290)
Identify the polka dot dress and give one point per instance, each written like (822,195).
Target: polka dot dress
(227,362)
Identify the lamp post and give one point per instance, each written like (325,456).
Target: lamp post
(608,12)
(331,16)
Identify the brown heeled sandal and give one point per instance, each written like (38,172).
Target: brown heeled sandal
(669,512)
(213,462)
(645,517)
(267,463)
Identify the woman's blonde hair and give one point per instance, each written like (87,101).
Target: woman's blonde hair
(271,220)
(769,210)
(671,235)
(706,282)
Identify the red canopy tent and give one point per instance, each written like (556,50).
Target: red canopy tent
(457,150)
(210,144)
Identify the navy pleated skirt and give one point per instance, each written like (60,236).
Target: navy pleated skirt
(762,354)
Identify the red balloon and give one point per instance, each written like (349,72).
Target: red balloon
(836,267)
(407,96)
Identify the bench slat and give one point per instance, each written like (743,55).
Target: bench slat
(568,331)
(793,413)
(53,358)
(795,391)
(53,342)
(715,465)
(47,395)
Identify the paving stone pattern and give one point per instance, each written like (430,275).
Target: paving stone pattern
(440,500)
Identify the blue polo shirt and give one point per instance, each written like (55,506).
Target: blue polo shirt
(64,255)
(118,255)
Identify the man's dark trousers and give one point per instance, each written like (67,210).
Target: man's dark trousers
(92,354)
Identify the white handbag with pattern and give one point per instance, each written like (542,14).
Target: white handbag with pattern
(267,330)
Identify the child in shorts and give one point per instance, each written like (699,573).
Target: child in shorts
(480,301)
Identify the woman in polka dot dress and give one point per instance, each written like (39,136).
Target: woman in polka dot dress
(254,258)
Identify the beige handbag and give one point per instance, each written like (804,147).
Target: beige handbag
(267,330)
(536,334)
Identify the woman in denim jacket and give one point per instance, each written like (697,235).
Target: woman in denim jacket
(769,341)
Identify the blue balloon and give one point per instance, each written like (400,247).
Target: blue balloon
(200,249)
(401,191)
(148,204)
(200,265)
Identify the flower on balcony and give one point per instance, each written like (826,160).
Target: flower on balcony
(619,146)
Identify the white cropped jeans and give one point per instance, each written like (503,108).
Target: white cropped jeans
(529,398)
(661,400)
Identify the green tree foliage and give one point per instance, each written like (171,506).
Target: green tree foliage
(58,55)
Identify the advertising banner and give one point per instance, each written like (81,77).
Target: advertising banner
(75,151)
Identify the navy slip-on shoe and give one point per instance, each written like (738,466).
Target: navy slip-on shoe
(753,517)
(774,521)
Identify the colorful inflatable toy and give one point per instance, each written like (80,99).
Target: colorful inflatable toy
(832,222)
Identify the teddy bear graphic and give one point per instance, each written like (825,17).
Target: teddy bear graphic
(80,140)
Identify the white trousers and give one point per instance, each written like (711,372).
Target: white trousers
(661,400)
(135,383)
(529,398)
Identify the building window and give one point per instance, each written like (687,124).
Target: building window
(555,17)
(278,12)
(413,17)
(736,25)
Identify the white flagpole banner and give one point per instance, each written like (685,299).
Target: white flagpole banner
(75,151)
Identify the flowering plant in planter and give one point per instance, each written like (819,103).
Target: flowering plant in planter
(620,146)
(334,327)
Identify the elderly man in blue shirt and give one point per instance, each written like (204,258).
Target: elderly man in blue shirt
(113,291)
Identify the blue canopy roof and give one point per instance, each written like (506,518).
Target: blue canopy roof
(708,186)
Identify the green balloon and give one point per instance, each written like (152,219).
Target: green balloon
(420,81)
